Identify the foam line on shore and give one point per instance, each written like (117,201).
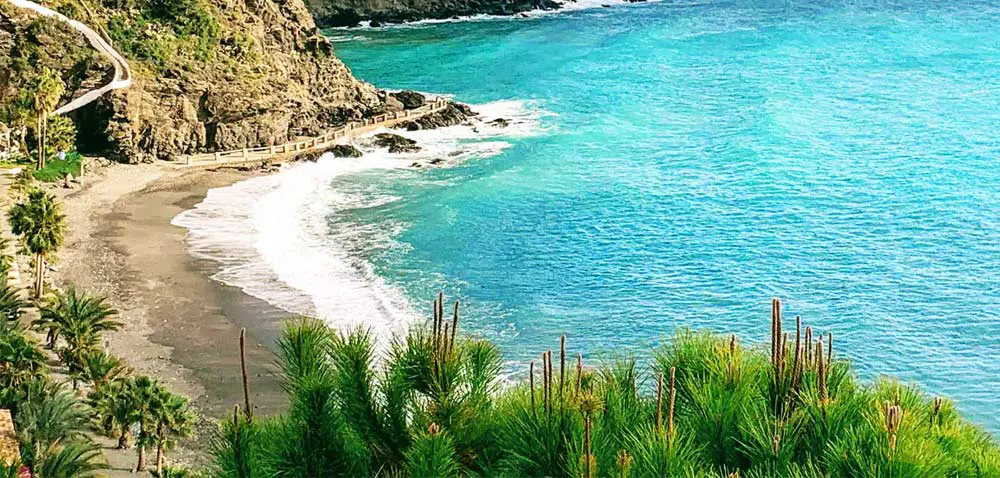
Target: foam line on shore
(271,237)
(567,7)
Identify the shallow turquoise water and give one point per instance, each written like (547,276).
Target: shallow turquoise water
(703,158)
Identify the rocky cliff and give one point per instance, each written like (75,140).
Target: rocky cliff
(338,13)
(210,75)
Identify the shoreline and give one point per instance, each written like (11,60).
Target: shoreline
(180,326)
(566,6)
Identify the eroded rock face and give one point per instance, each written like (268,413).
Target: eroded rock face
(291,87)
(344,13)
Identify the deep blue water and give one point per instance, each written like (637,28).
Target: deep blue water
(702,158)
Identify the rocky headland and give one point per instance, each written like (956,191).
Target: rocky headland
(210,75)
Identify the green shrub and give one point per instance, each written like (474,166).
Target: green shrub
(56,169)
(707,407)
(60,135)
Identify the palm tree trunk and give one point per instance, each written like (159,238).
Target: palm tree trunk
(24,141)
(39,274)
(123,439)
(38,141)
(45,138)
(159,458)
(141,466)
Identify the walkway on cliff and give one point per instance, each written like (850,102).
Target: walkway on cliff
(267,154)
(123,74)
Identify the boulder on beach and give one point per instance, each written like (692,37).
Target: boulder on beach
(396,143)
(410,99)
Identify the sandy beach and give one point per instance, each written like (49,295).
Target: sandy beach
(180,326)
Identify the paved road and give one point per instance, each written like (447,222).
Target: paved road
(123,75)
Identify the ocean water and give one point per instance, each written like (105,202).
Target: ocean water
(669,164)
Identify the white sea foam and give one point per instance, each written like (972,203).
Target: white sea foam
(567,6)
(271,237)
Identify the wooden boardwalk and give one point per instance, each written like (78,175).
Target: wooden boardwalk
(269,154)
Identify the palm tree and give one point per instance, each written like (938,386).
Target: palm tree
(45,421)
(21,362)
(172,419)
(19,113)
(78,318)
(115,405)
(77,458)
(48,90)
(42,226)
(10,303)
(145,393)
(100,368)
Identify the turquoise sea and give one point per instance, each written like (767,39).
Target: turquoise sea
(681,163)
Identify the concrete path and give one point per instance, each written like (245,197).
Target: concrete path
(123,75)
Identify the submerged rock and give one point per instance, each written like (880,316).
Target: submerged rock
(396,143)
(500,123)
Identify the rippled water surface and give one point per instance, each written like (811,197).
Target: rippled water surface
(694,160)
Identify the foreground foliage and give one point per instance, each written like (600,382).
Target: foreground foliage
(708,406)
(41,225)
(53,424)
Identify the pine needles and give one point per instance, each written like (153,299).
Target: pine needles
(708,406)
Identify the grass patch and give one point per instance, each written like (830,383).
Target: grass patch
(56,170)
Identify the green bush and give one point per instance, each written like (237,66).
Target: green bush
(60,135)
(708,406)
(56,170)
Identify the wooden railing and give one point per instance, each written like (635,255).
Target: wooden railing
(326,140)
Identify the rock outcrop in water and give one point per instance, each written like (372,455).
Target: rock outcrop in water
(409,99)
(455,113)
(345,13)
(396,143)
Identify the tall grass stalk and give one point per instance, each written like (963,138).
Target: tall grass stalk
(706,405)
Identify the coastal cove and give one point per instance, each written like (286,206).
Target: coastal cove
(499,238)
(679,166)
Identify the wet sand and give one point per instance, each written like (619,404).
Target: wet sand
(180,326)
